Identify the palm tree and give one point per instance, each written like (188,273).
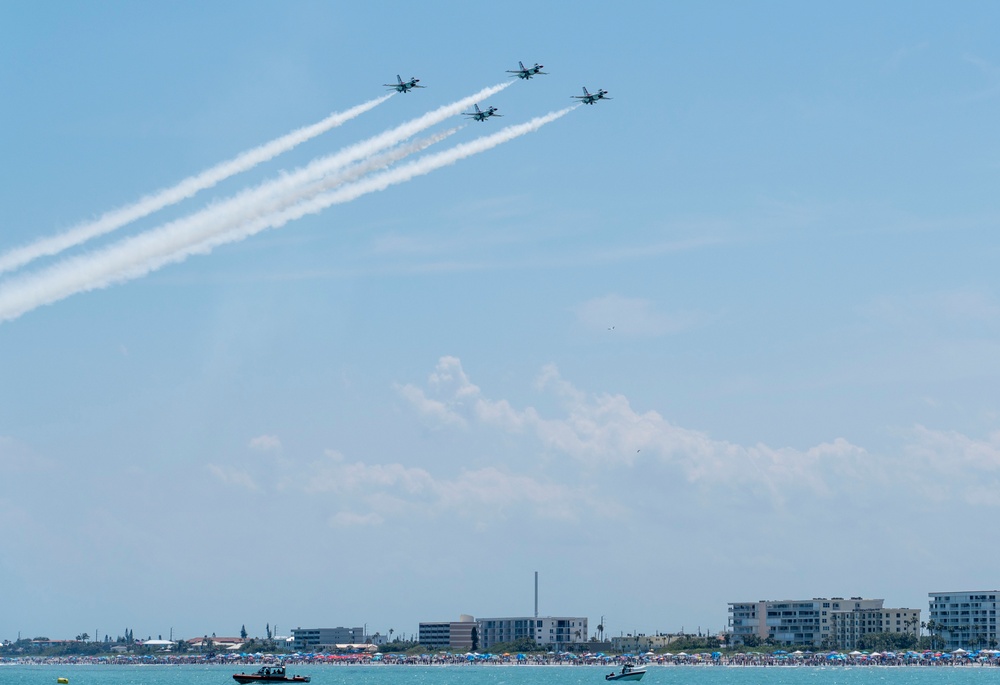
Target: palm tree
(932,627)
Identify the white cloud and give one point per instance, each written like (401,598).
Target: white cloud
(991,74)
(431,408)
(265,443)
(16,457)
(232,476)
(631,316)
(948,466)
(604,431)
(448,380)
(902,54)
(449,374)
(609,440)
(394,490)
(346,519)
(943,309)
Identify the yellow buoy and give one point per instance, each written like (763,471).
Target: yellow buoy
(62,681)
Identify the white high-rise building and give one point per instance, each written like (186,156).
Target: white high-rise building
(849,628)
(820,622)
(557,632)
(966,620)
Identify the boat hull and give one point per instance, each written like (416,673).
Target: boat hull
(246,678)
(631,675)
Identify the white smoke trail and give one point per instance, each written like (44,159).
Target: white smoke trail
(111,221)
(201,233)
(24,293)
(375,183)
(115,219)
(332,163)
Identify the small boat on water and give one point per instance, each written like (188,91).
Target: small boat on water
(269,674)
(628,672)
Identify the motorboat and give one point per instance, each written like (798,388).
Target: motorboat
(269,674)
(628,672)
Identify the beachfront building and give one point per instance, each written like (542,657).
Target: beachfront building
(642,642)
(848,628)
(461,634)
(555,632)
(318,639)
(213,643)
(746,621)
(964,620)
(834,623)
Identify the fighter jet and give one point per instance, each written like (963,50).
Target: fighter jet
(404,86)
(590,98)
(527,72)
(480,115)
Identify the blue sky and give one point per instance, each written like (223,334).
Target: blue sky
(399,408)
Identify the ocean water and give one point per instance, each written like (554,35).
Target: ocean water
(505,675)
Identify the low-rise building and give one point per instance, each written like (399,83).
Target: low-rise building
(213,643)
(642,642)
(460,634)
(318,639)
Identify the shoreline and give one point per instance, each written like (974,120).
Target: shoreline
(437,662)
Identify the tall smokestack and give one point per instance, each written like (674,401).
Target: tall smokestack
(536,594)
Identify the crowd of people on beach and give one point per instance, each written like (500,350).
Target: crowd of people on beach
(778,658)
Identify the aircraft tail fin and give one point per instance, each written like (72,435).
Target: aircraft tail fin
(398,78)
(522,64)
